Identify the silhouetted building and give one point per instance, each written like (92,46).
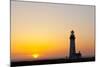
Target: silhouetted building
(72,53)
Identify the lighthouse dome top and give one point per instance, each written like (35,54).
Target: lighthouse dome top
(72,36)
(72,31)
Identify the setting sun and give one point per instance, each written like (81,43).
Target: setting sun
(35,55)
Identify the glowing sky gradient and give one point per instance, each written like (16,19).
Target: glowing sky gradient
(43,29)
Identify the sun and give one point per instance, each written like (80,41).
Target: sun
(35,55)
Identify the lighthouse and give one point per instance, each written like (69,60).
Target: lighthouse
(72,53)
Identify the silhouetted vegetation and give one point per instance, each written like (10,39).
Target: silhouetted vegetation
(51,61)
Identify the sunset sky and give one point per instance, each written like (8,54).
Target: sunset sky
(42,30)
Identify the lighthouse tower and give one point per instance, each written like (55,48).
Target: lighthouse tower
(72,45)
(72,53)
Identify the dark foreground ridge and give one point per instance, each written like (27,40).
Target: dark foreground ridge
(51,61)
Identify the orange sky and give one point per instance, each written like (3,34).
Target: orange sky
(44,29)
